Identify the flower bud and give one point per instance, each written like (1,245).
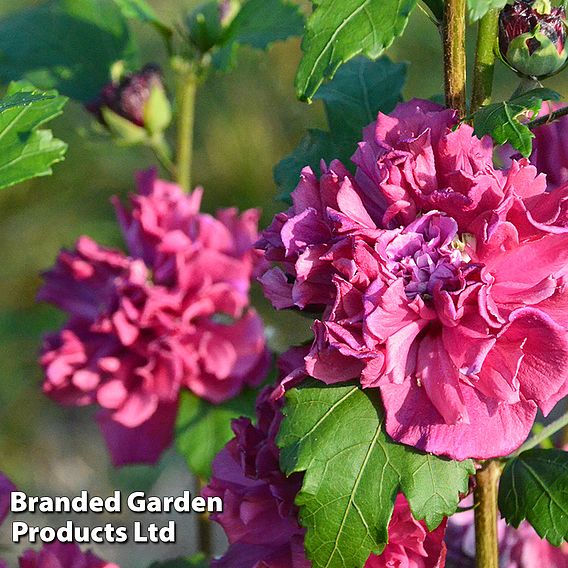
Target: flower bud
(532,37)
(208,22)
(134,106)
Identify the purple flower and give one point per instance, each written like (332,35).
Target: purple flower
(259,516)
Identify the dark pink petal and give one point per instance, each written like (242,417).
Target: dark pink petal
(143,444)
(412,419)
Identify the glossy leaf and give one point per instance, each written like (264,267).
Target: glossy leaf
(534,486)
(353,472)
(338,31)
(26,151)
(506,121)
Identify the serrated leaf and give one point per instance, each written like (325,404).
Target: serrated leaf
(25,150)
(352,100)
(338,31)
(502,120)
(202,428)
(142,11)
(69,45)
(478,8)
(534,486)
(353,472)
(258,24)
(358,92)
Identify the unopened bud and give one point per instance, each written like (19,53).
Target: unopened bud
(135,105)
(532,38)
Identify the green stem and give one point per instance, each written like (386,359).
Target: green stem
(163,154)
(484,60)
(204,536)
(546,432)
(485,508)
(187,86)
(453,35)
(525,85)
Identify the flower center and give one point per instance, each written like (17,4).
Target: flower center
(428,255)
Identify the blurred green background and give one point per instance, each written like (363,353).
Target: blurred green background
(246,121)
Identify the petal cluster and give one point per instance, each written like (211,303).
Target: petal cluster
(260,518)
(171,314)
(439,279)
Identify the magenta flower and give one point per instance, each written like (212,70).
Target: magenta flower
(60,555)
(410,544)
(260,517)
(518,548)
(441,279)
(173,314)
(550,149)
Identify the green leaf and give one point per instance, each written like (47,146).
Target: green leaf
(25,150)
(69,45)
(338,31)
(258,24)
(22,98)
(203,428)
(358,92)
(197,561)
(316,145)
(352,100)
(478,8)
(503,121)
(142,11)
(534,486)
(353,472)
